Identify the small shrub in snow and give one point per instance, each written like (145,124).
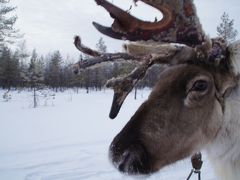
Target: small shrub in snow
(7,96)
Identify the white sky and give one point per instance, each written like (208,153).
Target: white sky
(51,25)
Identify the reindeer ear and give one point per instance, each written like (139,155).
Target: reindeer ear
(231,80)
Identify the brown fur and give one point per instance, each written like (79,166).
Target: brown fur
(175,121)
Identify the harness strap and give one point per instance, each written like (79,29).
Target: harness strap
(196,164)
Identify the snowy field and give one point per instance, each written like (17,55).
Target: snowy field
(67,138)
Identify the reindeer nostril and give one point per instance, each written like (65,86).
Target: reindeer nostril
(125,162)
(132,161)
(75,71)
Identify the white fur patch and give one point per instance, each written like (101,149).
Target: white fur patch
(234,50)
(224,152)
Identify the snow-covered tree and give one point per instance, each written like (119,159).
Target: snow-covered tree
(36,76)
(9,71)
(35,70)
(23,65)
(7,31)
(101,47)
(54,70)
(22,51)
(226,29)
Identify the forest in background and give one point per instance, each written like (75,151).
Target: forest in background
(21,69)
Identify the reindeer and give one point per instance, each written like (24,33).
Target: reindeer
(194,105)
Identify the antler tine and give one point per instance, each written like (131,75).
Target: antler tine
(123,86)
(85,49)
(179,24)
(98,57)
(146,54)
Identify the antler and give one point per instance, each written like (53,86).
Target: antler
(98,57)
(179,24)
(152,54)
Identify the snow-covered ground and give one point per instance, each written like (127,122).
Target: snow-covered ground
(67,138)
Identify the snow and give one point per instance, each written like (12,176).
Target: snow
(67,138)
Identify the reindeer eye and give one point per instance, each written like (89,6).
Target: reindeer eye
(199,85)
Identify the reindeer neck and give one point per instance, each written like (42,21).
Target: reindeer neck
(224,152)
(234,55)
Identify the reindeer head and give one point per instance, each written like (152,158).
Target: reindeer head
(182,115)
(185,109)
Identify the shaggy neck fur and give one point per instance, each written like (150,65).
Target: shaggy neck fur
(224,152)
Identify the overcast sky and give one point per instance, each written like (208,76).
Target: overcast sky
(51,25)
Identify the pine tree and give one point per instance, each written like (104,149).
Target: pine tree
(5,56)
(17,70)
(101,47)
(35,70)
(226,29)
(9,72)
(23,58)
(7,31)
(35,74)
(23,52)
(54,70)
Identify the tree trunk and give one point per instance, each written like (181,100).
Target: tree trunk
(34,97)
(135,93)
